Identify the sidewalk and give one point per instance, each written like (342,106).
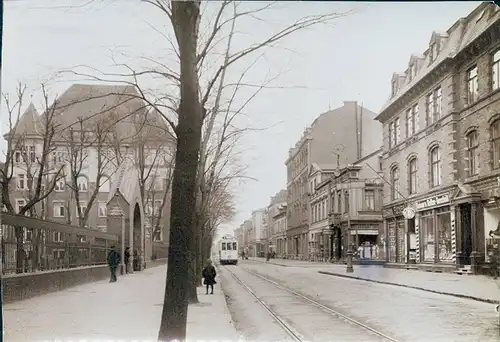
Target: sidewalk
(479,288)
(127,310)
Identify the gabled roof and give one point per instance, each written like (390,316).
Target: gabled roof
(126,182)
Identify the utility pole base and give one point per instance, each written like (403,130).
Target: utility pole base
(349,269)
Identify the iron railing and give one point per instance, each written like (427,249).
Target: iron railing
(33,245)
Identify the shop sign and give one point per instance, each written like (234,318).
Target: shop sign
(394,211)
(433,201)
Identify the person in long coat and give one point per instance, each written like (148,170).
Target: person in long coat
(208,275)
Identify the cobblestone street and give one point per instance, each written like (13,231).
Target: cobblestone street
(403,313)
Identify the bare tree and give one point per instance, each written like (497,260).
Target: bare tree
(30,145)
(198,75)
(89,151)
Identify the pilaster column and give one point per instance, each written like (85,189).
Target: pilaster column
(459,236)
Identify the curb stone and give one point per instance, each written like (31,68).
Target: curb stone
(479,299)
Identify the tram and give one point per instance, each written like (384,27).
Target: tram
(228,250)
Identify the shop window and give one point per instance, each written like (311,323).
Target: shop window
(435,162)
(412,176)
(428,236)
(395,183)
(444,234)
(472,146)
(495,142)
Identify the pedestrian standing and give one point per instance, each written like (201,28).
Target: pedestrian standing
(127,259)
(208,275)
(114,260)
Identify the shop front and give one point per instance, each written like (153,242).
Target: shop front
(395,231)
(435,228)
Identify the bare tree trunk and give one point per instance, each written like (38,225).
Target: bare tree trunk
(185,20)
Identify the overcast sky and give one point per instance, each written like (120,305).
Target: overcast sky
(351,60)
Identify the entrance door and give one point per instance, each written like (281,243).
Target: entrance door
(466,233)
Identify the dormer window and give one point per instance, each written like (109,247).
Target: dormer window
(433,52)
(394,87)
(413,71)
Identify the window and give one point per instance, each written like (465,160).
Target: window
(82,238)
(102,211)
(158,234)
(83,207)
(59,209)
(412,176)
(398,132)
(438,104)
(435,161)
(346,200)
(58,157)
(370,199)
(158,184)
(58,237)
(157,207)
(434,102)
(416,124)
(18,156)
(409,123)
(32,154)
(20,203)
(433,51)
(21,181)
(28,234)
(395,183)
(412,71)
(59,186)
(392,133)
(394,89)
(430,108)
(223,246)
(58,254)
(495,141)
(428,236)
(472,147)
(82,183)
(235,246)
(495,71)
(339,202)
(472,85)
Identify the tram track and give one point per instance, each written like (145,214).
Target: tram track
(289,328)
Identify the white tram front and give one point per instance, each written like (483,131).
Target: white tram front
(228,250)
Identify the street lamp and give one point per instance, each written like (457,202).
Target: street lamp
(349,254)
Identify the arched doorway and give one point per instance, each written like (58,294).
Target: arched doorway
(137,245)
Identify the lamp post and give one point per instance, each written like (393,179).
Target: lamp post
(349,254)
(117,211)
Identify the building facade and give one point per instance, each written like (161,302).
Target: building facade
(346,209)
(350,127)
(439,150)
(96,160)
(276,205)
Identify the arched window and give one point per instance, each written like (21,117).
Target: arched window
(412,175)
(495,142)
(395,183)
(435,163)
(472,151)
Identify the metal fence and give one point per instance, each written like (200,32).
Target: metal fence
(31,245)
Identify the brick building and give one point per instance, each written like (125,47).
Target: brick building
(350,126)
(439,146)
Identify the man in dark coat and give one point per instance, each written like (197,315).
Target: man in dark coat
(114,260)
(208,275)
(127,259)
